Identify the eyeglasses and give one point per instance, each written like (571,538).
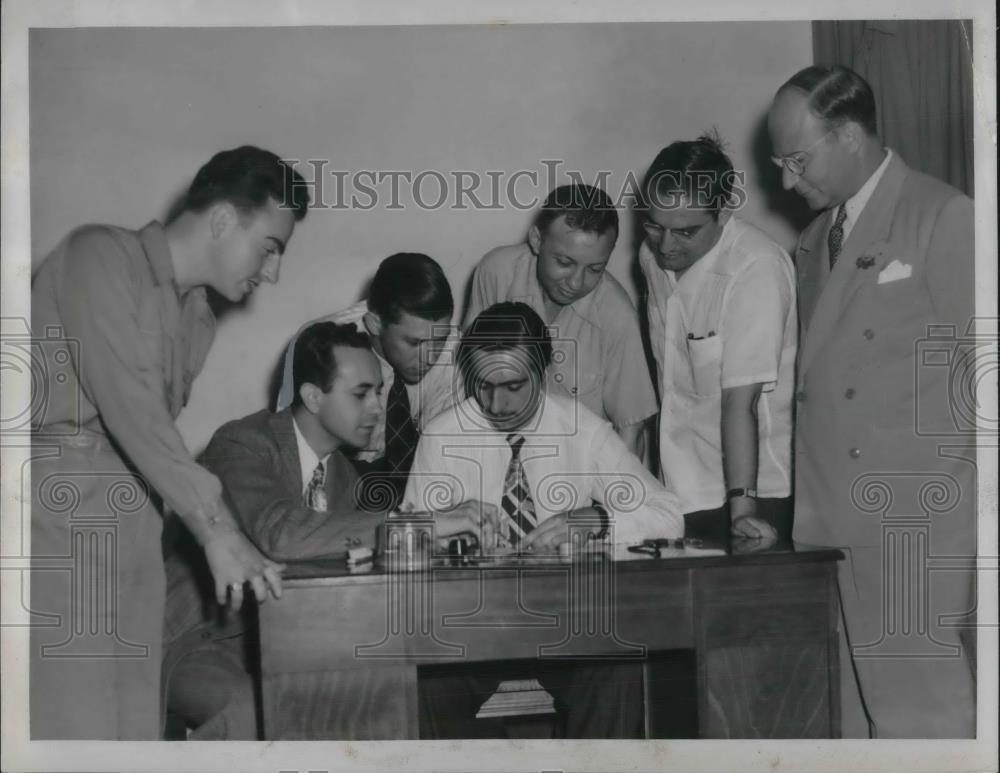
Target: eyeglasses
(793,162)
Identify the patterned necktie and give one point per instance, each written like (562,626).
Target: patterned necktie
(401,434)
(517,502)
(316,490)
(835,239)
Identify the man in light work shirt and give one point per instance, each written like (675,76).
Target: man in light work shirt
(723,327)
(408,318)
(560,271)
(130,311)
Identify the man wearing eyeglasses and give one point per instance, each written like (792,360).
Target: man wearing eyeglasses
(723,330)
(889,257)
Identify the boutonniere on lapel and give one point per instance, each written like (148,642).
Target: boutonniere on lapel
(865,261)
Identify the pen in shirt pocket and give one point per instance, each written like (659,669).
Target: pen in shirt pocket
(693,337)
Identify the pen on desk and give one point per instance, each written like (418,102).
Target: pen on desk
(693,337)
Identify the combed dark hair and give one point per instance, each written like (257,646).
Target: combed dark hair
(698,170)
(836,94)
(585,207)
(314,361)
(413,283)
(247,177)
(502,327)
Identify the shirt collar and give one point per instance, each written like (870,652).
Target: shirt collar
(154,242)
(308,459)
(706,262)
(855,205)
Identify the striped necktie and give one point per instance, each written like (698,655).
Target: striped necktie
(316,490)
(835,239)
(517,503)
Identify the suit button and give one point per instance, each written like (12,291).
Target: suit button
(801,395)
(855,453)
(869,334)
(849,394)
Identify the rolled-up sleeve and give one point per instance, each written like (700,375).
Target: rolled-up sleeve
(637,503)
(120,369)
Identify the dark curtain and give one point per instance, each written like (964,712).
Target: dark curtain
(921,73)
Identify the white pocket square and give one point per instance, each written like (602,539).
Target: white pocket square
(894,272)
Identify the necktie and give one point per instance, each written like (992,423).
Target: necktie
(316,490)
(517,502)
(401,434)
(835,239)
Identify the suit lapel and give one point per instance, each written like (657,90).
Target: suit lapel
(288,448)
(846,277)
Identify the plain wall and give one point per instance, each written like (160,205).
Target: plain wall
(122,118)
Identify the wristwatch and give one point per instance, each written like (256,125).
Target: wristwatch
(741,492)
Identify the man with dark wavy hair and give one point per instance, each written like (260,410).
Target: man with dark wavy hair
(132,308)
(295,495)
(514,466)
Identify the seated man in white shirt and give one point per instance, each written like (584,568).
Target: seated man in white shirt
(538,460)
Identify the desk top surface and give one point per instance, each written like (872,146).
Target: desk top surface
(740,552)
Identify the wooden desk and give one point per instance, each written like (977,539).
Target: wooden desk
(340,651)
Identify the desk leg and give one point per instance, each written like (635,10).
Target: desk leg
(377,703)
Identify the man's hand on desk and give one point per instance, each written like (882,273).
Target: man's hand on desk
(471,517)
(554,531)
(751,527)
(235,561)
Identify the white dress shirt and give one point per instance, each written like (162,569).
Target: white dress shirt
(308,459)
(571,459)
(855,205)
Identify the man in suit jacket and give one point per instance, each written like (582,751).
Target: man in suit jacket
(295,495)
(883,469)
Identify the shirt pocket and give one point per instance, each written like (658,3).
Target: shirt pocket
(705,356)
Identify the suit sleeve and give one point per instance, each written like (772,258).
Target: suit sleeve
(120,370)
(951,259)
(271,515)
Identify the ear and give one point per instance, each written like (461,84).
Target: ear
(534,240)
(852,135)
(372,323)
(221,218)
(311,396)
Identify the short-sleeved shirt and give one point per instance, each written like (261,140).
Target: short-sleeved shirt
(571,459)
(106,297)
(434,392)
(597,354)
(729,321)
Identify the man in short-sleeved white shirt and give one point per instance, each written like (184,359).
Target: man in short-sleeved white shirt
(723,329)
